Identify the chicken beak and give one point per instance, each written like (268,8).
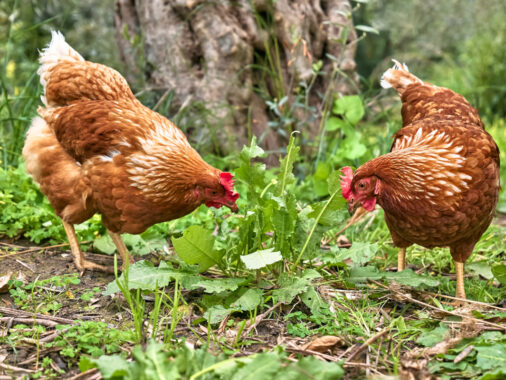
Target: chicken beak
(233,207)
(352,206)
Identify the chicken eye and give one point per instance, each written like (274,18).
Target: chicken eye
(361,185)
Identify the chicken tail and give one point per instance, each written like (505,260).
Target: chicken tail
(56,51)
(399,77)
(67,77)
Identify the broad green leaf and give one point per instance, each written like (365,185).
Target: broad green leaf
(352,149)
(290,287)
(141,245)
(409,278)
(217,285)
(358,253)
(313,300)
(499,374)
(480,268)
(104,244)
(264,366)
(248,300)
(309,367)
(284,226)
(144,275)
(350,106)
(196,247)
(261,259)
(319,179)
(499,272)
(491,357)
(113,366)
(217,313)
(152,363)
(334,123)
(334,181)
(429,338)
(335,211)
(252,151)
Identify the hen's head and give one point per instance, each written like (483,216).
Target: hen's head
(218,191)
(359,190)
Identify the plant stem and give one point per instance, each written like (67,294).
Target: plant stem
(313,229)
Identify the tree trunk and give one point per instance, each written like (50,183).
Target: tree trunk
(236,68)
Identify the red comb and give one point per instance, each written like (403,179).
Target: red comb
(226,180)
(346,182)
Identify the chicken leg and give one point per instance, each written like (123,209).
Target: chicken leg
(459,269)
(122,249)
(401,259)
(81,263)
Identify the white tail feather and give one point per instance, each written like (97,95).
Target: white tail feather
(57,50)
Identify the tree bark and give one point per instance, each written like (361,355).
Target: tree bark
(243,66)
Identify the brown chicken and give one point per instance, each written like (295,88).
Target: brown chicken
(439,184)
(96,149)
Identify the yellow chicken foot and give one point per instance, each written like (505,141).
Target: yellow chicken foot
(122,249)
(81,263)
(401,259)
(459,269)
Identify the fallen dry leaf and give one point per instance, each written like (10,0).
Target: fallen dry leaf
(323,343)
(4,282)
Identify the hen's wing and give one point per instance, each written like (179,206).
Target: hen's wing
(66,77)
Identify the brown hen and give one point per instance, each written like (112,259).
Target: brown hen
(439,184)
(96,149)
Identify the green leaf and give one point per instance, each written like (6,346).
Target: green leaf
(313,300)
(216,314)
(196,247)
(499,374)
(285,175)
(261,259)
(431,337)
(264,366)
(217,285)
(366,29)
(334,123)
(334,181)
(290,287)
(104,244)
(358,253)
(310,367)
(112,366)
(143,275)
(153,363)
(349,106)
(252,151)
(144,243)
(249,300)
(491,357)
(480,268)
(499,272)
